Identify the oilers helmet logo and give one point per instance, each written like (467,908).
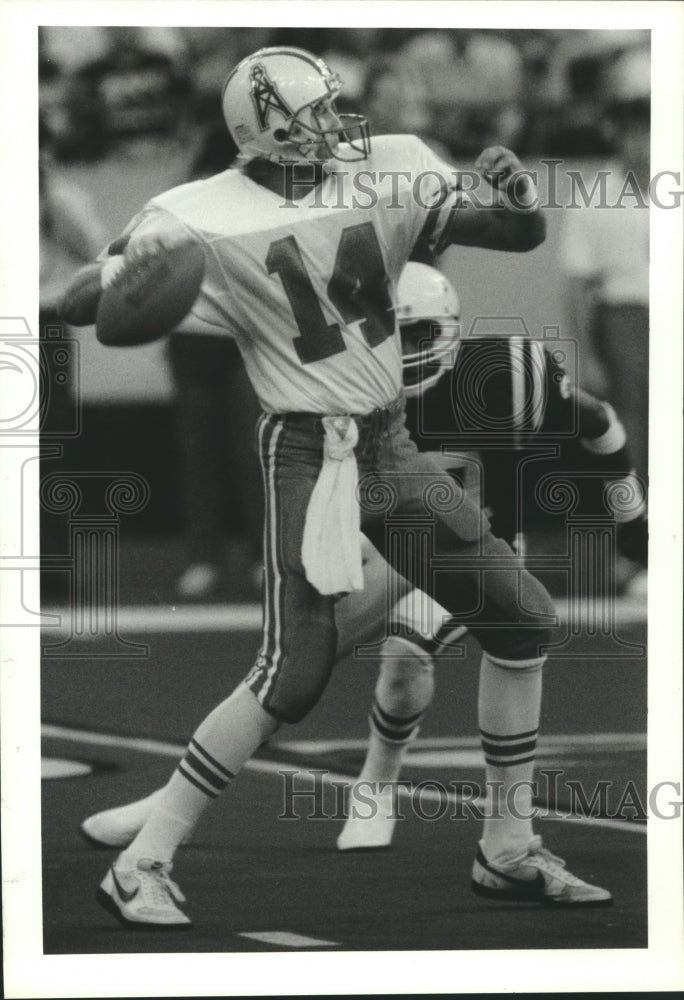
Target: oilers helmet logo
(266,97)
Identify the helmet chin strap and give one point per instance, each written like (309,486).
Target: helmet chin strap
(305,149)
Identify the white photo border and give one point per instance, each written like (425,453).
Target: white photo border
(29,973)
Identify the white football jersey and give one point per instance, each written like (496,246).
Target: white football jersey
(306,286)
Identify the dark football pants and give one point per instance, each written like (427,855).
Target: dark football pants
(423,524)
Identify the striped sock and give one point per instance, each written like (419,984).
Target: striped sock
(403,691)
(389,738)
(182,802)
(222,743)
(509,707)
(509,762)
(202,771)
(393,728)
(509,751)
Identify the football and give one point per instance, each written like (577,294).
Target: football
(150,294)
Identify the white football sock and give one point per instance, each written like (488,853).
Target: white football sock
(120,824)
(403,691)
(509,707)
(224,741)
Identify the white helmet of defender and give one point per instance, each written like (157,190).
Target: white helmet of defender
(279,105)
(428,311)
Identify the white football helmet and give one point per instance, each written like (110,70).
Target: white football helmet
(428,311)
(278,105)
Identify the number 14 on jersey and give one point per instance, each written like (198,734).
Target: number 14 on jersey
(358,288)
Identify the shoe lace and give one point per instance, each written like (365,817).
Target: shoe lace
(157,886)
(551,863)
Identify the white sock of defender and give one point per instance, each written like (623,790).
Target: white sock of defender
(223,742)
(403,691)
(405,687)
(509,706)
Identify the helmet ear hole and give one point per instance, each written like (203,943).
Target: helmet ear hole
(280,135)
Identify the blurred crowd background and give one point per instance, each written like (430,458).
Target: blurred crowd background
(128,112)
(537,91)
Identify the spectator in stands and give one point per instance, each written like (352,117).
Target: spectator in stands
(575,88)
(210,49)
(70,230)
(70,233)
(604,256)
(137,90)
(395,102)
(473,81)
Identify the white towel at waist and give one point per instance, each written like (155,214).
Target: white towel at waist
(331,548)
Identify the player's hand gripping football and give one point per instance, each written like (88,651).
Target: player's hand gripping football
(150,288)
(141,249)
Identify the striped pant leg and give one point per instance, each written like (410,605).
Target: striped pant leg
(299,636)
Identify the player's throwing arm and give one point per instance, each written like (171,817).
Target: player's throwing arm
(141,294)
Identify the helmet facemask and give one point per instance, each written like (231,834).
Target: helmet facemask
(315,145)
(428,351)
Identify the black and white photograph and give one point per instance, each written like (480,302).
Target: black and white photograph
(341,458)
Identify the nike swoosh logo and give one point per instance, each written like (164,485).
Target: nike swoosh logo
(533,885)
(126,894)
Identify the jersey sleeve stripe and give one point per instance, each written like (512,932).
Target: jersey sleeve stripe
(455,202)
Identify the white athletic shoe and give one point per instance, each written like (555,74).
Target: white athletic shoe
(372,817)
(145,897)
(535,875)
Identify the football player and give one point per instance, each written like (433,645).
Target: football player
(304,246)
(440,371)
(434,360)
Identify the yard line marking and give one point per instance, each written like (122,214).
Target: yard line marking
(428,795)
(248,617)
(558,742)
(57,767)
(174,618)
(330,778)
(109,740)
(288,940)
(471,759)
